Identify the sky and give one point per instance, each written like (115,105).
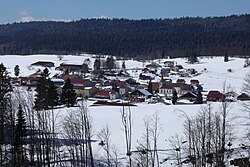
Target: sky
(67,10)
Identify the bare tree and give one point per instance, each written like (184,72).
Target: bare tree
(110,151)
(78,130)
(177,144)
(126,117)
(207,134)
(147,150)
(246,104)
(104,136)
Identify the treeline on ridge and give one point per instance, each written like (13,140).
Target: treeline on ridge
(146,38)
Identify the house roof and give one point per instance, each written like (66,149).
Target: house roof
(74,79)
(145,92)
(142,91)
(168,62)
(180,81)
(44,64)
(104,93)
(153,65)
(243,96)
(71,64)
(188,95)
(214,94)
(183,86)
(117,82)
(194,81)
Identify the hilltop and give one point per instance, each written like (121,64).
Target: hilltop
(144,39)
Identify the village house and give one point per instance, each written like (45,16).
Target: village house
(80,85)
(243,97)
(215,95)
(165,72)
(174,69)
(191,71)
(123,74)
(119,86)
(154,87)
(139,95)
(86,91)
(31,80)
(180,81)
(74,68)
(145,70)
(169,63)
(153,66)
(194,82)
(78,81)
(179,67)
(146,76)
(57,82)
(180,88)
(190,96)
(107,94)
(132,82)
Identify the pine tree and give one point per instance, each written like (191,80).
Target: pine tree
(20,134)
(53,97)
(47,96)
(193,58)
(199,99)
(5,112)
(45,73)
(17,70)
(68,96)
(110,63)
(97,64)
(226,58)
(174,97)
(41,98)
(123,65)
(5,85)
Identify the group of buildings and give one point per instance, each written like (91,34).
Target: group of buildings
(153,81)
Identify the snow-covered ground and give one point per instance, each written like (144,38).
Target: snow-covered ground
(171,116)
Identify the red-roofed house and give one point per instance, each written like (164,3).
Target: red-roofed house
(106,94)
(215,95)
(78,81)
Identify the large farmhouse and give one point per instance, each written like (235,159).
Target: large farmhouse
(168,88)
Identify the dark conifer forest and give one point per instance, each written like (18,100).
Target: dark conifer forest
(147,38)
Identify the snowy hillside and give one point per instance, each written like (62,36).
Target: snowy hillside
(213,74)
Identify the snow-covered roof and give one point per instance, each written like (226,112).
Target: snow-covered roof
(145,92)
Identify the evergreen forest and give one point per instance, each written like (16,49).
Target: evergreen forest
(145,38)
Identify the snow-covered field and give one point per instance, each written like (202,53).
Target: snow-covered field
(171,116)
